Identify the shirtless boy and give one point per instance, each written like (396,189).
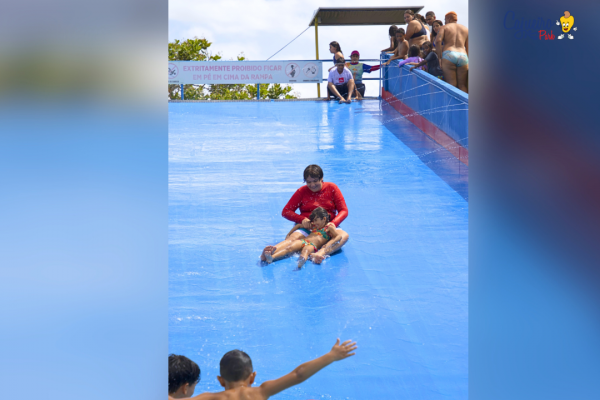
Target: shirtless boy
(402,48)
(454,53)
(237,375)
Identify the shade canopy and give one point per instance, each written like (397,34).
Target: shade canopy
(339,16)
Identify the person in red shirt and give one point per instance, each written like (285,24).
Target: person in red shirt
(315,193)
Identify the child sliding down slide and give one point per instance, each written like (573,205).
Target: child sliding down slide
(313,240)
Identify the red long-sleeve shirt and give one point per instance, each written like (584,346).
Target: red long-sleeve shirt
(329,197)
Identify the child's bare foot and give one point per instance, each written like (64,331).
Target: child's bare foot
(301,262)
(267,254)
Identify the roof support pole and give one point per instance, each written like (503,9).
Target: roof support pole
(317,49)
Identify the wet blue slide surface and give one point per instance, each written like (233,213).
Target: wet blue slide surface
(398,287)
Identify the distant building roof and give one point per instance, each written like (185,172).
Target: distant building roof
(336,16)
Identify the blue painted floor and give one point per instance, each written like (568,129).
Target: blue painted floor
(398,287)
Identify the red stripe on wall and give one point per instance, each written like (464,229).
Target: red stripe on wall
(428,127)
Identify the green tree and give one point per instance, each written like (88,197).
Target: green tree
(197,50)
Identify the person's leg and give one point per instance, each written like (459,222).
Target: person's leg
(288,240)
(449,69)
(462,73)
(267,250)
(304,254)
(330,247)
(283,249)
(361,89)
(350,89)
(330,94)
(342,90)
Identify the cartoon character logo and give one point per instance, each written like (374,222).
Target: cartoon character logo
(567,23)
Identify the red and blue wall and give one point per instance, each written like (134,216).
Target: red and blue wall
(440,110)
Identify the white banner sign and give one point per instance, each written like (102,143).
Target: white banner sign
(247,72)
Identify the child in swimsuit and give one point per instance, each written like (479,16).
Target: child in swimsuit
(322,231)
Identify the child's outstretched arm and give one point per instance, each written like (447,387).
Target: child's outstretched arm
(417,65)
(308,369)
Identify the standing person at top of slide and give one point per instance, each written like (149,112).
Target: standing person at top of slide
(336,50)
(430,17)
(317,193)
(402,49)
(416,31)
(437,25)
(393,43)
(452,47)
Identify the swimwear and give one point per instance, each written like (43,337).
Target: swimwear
(422,32)
(305,243)
(321,232)
(303,231)
(455,57)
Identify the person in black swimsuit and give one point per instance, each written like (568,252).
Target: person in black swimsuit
(416,31)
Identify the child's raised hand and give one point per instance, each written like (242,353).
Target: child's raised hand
(306,224)
(341,351)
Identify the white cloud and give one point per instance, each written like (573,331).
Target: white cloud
(259,28)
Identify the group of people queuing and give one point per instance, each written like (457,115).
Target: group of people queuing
(428,44)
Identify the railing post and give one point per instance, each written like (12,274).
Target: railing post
(380,78)
(317,48)
(258,91)
(182,96)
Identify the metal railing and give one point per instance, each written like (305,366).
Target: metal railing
(323,80)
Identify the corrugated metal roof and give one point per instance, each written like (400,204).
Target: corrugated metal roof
(335,16)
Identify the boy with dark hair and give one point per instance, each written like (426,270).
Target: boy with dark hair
(237,375)
(430,17)
(184,374)
(340,82)
(402,49)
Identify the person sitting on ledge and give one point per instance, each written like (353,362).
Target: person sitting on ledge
(340,83)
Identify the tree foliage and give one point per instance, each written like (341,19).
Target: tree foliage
(197,50)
